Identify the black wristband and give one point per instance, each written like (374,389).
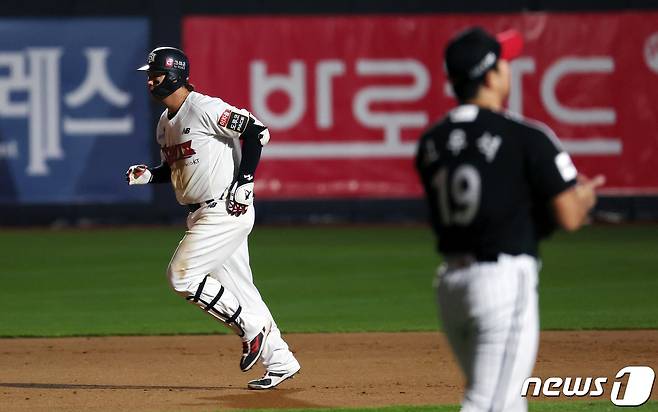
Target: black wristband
(160,173)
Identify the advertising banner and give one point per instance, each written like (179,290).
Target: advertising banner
(73,110)
(346,97)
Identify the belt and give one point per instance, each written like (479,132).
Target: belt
(467,259)
(195,206)
(486,257)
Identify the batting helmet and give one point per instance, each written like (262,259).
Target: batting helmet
(171,62)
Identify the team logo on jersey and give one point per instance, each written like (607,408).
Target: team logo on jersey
(223,119)
(180,151)
(234,121)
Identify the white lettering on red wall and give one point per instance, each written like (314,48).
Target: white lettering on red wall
(347,97)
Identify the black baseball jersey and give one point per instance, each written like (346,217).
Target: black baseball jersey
(489,178)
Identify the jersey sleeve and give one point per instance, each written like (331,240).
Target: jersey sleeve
(226,120)
(426,162)
(550,169)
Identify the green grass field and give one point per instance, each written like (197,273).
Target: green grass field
(112,281)
(316,279)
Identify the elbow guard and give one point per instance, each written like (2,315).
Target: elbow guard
(256,130)
(264,137)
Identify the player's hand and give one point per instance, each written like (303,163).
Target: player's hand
(240,197)
(586,189)
(594,183)
(138,175)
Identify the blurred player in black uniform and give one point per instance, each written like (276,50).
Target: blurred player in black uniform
(495,184)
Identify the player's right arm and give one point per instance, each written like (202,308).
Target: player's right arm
(142,174)
(426,163)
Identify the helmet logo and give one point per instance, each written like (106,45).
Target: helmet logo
(169,62)
(151,57)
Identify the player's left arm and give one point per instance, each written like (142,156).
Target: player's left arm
(556,183)
(241,194)
(231,123)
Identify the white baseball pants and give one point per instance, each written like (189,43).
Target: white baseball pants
(215,244)
(490,315)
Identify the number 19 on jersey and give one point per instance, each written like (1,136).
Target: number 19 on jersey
(459,194)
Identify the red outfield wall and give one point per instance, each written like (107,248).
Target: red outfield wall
(346,97)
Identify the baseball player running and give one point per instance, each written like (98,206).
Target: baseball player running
(210,151)
(495,184)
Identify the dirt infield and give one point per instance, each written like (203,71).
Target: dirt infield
(201,373)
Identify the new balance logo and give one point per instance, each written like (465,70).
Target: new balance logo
(248,178)
(186,130)
(247,194)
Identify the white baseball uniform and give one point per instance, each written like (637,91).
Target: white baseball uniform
(210,267)
(490,315)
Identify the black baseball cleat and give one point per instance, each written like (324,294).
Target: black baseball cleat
(251,350)
(272,379)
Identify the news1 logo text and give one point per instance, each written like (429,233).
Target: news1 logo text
(636,391)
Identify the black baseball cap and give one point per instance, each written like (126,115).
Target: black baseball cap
(470,54)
